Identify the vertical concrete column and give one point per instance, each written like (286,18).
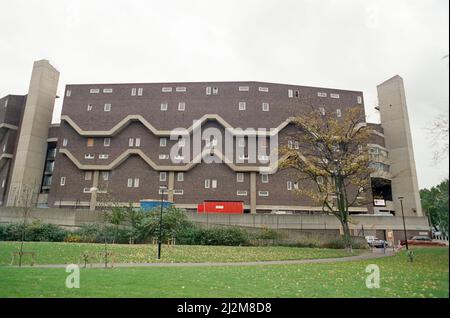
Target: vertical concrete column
(397,135)
(93,202)
(170,186)
(32,141)
(252,192)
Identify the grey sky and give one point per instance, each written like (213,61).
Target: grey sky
(348,44)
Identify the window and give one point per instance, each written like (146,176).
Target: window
(103,156)
(105,175)
(263,193)
(163,107)
(290,144)
(166,89)
(242,105)
(180,89)
(136,182)
(178,192)
(107,108)
(90,142)
(4,147)
(94,91)
(68,92)
(240,177)
(62,182)
(297,94)
(107,90)
(3,183)
(162,176)
(89,107)
(263,89)
(137,142)
(180,176)
(89,156)
(296,185)
(213,183)
(265,107)
(181,106)
(264,178)
(262,142)
(289,185)
(207,183)
(162,142)
(64,142)
(140,91)
(263,158)
(88,175)
(130,182)
(130,142)
(322,111)
(319,180)
(215,90)
(163,157)
(241,192)
(106,142)
(296,145)
(359,99)
(6,103)
(244,88)
(290,93)
(334,95)
(86,190)
(133,91)
(338,112)
(320,94)
(208,90)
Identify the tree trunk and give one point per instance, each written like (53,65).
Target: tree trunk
(347,236)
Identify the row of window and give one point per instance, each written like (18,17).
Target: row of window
(182,107)
(210,90)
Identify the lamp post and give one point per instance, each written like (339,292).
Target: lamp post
(404,227)
(162,189)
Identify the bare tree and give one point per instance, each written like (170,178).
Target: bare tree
(438,133)
(329,155)
(25,198)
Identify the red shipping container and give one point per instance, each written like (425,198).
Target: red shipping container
(226,207)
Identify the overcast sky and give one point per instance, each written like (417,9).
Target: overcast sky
(347,44)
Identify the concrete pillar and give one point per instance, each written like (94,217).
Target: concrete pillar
(170,186)
(93,201)
(32,141)
(252,192)
(397,133)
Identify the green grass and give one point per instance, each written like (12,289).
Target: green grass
(427,276)
(66,253)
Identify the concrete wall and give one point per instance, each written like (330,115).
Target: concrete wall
(395,123)
(72,217)
(32,143)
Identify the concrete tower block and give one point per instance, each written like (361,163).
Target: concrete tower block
(32,142)
(395,122)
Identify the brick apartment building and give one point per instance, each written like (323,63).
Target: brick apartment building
(115,139)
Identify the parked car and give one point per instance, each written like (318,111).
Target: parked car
(374,241)
(422,240)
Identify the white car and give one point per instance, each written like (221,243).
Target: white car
(373,241)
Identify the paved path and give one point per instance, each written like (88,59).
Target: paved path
(377,253)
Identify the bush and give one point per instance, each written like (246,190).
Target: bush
(36,231)
(94,233)
(229,236)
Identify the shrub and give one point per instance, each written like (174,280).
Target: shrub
(95,233)
(230,236)
(36,231)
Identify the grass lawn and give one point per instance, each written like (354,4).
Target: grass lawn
(427,276)
(66,253)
